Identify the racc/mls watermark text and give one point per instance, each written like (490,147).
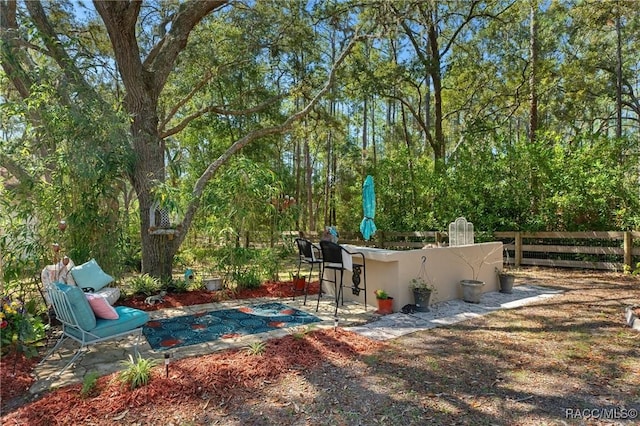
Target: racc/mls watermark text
(601,413)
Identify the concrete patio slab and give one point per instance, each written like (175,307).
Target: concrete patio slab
(451,312)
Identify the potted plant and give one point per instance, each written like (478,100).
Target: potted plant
(422,291)
(299,282)
(505,278)
(472,289)
(506,281)
(385,302)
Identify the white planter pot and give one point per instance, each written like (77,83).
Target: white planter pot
(212,283)
(471,290)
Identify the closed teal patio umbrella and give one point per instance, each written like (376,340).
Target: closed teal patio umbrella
(367,227)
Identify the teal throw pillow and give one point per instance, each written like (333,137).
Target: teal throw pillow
(90,275)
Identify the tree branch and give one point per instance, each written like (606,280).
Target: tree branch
(162,57)
(417,116)
(218,110)
(257,134)
(470,17)
(10,53)
(174,110)
(208,76)
(412,39)
(56,51)
(16,170)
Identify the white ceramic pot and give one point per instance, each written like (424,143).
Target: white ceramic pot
(212,283)
(471,290)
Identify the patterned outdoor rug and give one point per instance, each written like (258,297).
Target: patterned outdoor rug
(207,326)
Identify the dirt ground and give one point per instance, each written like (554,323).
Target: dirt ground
(570,359)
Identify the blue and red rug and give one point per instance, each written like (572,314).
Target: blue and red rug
(224,324)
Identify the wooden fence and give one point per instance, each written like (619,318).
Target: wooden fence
(608,250)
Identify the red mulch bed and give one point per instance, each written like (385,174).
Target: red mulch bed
(15,376)
(218,377)
(219,373)
(195,297)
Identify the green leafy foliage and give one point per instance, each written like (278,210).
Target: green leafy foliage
(381,294)
(137,373)
(249,279)
(239,265)
(89,382)
(180,285)
(144,284)
(21,327)
(273,261)
(256,348)
(301,332)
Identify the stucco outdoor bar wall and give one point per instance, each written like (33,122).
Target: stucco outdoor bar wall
(391,270)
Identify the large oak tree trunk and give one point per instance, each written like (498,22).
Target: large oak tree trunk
(157,250)
(144,81)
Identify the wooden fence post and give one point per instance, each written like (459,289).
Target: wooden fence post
(628,249)
(518,250)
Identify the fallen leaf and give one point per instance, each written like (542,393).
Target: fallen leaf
(121,415)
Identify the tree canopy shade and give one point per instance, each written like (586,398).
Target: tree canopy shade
(117,66)
(516,114)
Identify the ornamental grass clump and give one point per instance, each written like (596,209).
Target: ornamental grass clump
(144,284)
(138,372)
(256,348)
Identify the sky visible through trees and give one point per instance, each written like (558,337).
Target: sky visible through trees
(518,114)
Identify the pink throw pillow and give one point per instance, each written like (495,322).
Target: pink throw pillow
(101,307)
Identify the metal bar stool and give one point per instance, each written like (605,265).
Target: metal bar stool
(310,254)
(333,259)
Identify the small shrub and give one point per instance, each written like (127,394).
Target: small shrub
(197,283)
(144,284)
(20,326)
(300,333)
(256,348)
(180,285)
(89,382)
(248,279)
(273,261)
(132,255)
(240,265)
(137,372)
